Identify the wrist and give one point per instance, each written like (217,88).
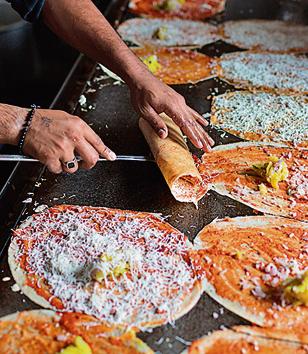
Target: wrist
(12,119)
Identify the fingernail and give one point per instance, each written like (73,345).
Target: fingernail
(199,144)
(162,133)
(112,156)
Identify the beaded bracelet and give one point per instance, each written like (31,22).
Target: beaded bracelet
(25,128)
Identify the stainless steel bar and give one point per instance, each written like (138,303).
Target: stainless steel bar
(21,158)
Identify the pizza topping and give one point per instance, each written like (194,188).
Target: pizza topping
(296,290)
(283,280)
(161,33)
(78,347)
(274,36)
(298,182)
(262,116)
(169,5)
(151,32)
(152,63)
(139,264)
(262,189)
(274,171)
(266,70)
(110,267)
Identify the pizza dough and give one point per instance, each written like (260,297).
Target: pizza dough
(272,36)
(283,73)
(125,268)
(44,331)
(168,33)
(175,161)
(262,116)
(245,339)
(184,9)
(246,261)
(233,170)
(177,66)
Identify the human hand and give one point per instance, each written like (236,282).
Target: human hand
(55,137)
(150,97)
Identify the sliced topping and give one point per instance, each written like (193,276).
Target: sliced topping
(152,63)
(169,5)
(274,171)
(262,189)
(161,33)
(296,290)
(110,266)
(79,347)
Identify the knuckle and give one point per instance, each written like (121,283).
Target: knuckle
(91,161)
(53,168)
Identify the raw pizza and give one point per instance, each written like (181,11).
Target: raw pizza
(184,9)
(269,178)
(176,66)
(167,33)
(283,73)
(272,36)
(247,340)
(44,331)
(263,116)
(257,267)
(123,267)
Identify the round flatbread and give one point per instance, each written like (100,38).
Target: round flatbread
(123,267)
(184,9)
(44,331)
(235,170)
(262,116)
(272,36)
(247,260)
(256,340)
(177,66)
(168,33)
(283,73)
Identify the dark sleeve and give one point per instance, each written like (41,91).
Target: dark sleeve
(30,10)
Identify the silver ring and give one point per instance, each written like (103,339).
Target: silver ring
(70,164)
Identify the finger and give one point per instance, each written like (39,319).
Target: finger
(209,139)
(54,166)
(99,146)
(198,117)
(88,154)
(202,136)
(156,122)
(69,164)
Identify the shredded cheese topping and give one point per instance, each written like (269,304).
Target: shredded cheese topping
(180,32)
(275,71)
(67,245)
(267,35)
(271,284)
(280,117)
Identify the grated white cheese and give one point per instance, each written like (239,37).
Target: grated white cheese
(178,32)
(274,36)
(67,246)
(274,71)
(279,117)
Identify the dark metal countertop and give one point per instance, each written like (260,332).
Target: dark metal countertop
(135,185)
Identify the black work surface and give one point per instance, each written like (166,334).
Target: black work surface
(140,185)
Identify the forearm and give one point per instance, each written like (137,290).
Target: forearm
(11,122)
(81,24)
